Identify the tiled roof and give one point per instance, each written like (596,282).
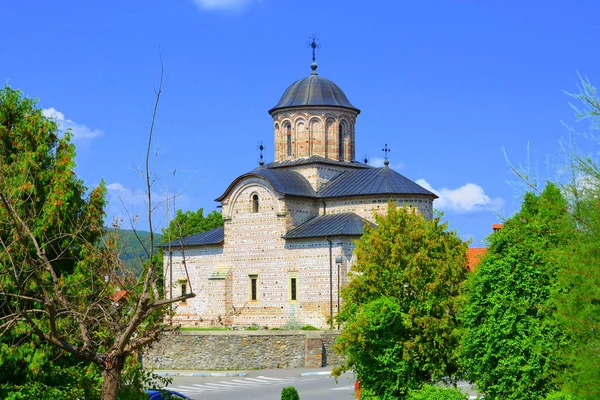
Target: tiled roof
(371,181)
(343,224)
(212,237)
(474,254)
(285,182)
(316,160)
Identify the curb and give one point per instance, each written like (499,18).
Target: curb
(315,373)
(203,374)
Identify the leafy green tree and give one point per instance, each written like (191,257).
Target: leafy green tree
(510,343)
(578,304)
(190,223)
(399,312)
(36,178)
(578,294)
(61,278)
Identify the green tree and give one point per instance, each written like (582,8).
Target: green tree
(36,178)
(510,343)
(190,223)
(578,294)
(399,311)
(431,392)
(60,271)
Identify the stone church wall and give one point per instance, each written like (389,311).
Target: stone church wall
(208,307)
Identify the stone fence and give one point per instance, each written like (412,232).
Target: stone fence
(240,350)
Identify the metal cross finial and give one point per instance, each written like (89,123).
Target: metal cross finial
(314,45)
(386,158)
(261,162)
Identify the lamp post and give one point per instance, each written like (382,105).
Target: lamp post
(338,261)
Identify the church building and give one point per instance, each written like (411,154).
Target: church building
(287,243)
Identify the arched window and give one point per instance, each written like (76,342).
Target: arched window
(254,203)
(288,130)
(341,143)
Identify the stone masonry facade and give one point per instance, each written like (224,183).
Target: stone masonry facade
(242,350)
(255,247)
(260,274)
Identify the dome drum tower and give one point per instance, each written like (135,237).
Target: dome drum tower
(314,117)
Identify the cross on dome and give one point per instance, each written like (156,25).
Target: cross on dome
(314,45)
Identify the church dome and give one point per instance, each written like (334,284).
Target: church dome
(313,91)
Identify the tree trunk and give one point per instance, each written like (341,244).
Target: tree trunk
(111,380)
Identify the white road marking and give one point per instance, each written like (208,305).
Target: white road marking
(198,388)
(219,385)
(194,388)
(258,380)
(273,379)
(245,382)
(239,384)
(351,387)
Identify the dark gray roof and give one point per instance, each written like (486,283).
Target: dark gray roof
(313,91)
(371,181)
(343,224)
(212,237)
(315,160)
(285,182)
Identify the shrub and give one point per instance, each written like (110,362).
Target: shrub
(309,328)
(559,396)
(430,392)
(289,393)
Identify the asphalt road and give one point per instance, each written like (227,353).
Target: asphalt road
(267,385)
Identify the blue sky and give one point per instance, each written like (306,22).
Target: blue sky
(446,84)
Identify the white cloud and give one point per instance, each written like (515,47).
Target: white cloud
(79,131)
(127,196)
(468,198)
(130,206)
(115,186)
(229,5)
(52,113)
(378,162)
(586,183)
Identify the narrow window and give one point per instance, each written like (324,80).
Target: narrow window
(341,143)
(289,139)
(293,289)
(255,203)
(183,291)
(253,288)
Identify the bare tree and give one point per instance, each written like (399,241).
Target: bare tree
(60,273)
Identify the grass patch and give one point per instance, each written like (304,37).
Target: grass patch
(202,329)
(309,328)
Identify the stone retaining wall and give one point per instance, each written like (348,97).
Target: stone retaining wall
(240,350)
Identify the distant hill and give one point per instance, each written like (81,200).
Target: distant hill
(132,251)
